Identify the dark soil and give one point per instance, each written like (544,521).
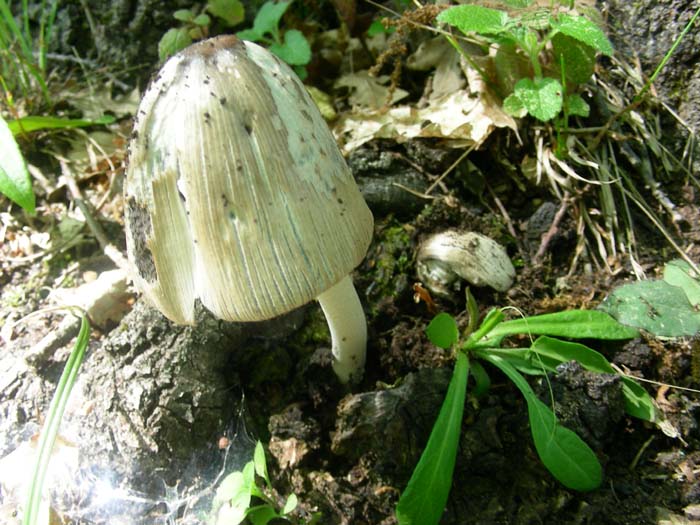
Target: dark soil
(160,411)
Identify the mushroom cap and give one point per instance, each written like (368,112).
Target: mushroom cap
(236,192)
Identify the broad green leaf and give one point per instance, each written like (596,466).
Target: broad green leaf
(172,41)
(542,97)
(183,15)
(235,490)
(231,12)
(679,273)
(577,58)
(576,106)
(575,324)
(565,455)
(295,51)
(202,20)
(260,514)
(655,306)
(249,34)
(475,19)
(423,501)
(260,463)
(518,4)
(443,331)
(15,181)
(583,30)
(290,504)
(268,18)
(36,123)
(565,351)
(510,66)
(638,402)
(514,106)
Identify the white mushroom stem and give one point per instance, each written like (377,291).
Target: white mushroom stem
(348,326)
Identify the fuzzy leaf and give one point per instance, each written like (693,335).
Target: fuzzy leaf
(679,273)
(514,106)
(583,30)
(15,181)
(475,19)
(542,97)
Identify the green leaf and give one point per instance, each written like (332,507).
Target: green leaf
(377,28)
(36,123)
(15,181)
(575,324)
(514,106)
(578,58)
(443,331)
(249,34)
(183,15)
(231,12)
(423,501)
(565,351)
(679,273)
(290,504)
(481,379)
(202,20)
(172,41)
(655,306)
(583,30)
(261,514)
(576,106)
(268,18)
(235,490)
(475,19)
(260,462)
(542,97)
(565,455)
(295,51)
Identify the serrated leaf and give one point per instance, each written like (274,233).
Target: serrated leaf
(183,15)
(231,12)
(542,97)
(583,30)
(577,58)
(655,306)
(475,19)
(268,17)
(423,501)
(173,41)
(295,51)
(15,182)
(576,106)
(443,331)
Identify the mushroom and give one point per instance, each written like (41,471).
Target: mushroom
(444,258)
(237,195)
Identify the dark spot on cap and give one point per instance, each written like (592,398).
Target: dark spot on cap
(225,199)
(340,201)
(222,101)
(207,117)
(139,225)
